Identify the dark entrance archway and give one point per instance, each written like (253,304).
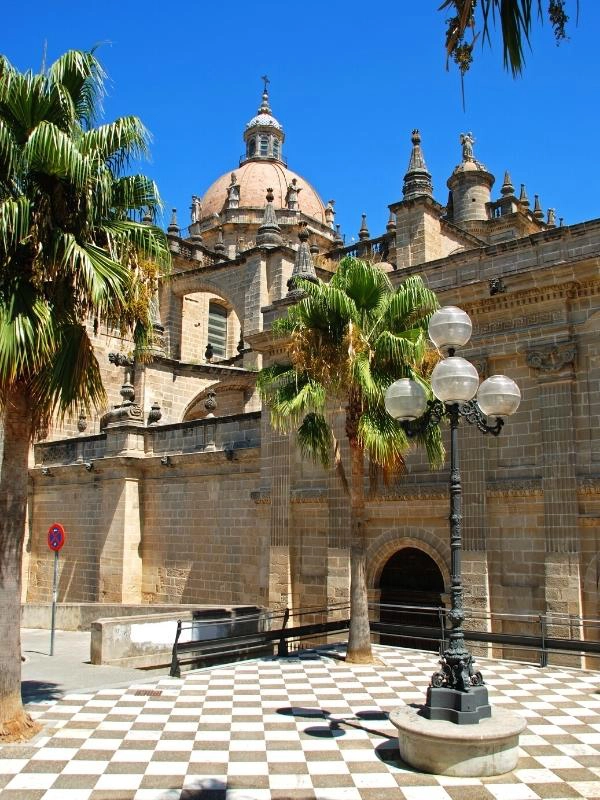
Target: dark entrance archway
(410,578)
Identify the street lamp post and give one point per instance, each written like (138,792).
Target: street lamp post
(457,692)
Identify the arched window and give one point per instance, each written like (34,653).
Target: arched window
(275,148)
(251,147)
(217,329)
(264,145)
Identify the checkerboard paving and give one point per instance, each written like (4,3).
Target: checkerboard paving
(310,727)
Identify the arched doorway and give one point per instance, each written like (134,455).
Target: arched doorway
(410,578)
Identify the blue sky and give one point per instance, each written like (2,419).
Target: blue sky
(349,81)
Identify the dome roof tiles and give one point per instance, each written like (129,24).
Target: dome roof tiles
(264,120)
(254,178)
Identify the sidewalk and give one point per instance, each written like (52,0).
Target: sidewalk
(46,678)
(309,728)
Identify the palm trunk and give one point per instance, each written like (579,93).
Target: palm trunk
(14,722)
(359,638)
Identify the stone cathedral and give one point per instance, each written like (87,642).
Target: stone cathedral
(180,492)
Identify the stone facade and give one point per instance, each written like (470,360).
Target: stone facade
(208,505)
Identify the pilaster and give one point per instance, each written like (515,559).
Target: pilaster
(120,563)
(554,365)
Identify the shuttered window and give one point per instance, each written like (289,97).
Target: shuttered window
(217,329)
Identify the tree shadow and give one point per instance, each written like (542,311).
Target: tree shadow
(39,691)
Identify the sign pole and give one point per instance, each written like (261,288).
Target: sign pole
(54,599)
(56,539)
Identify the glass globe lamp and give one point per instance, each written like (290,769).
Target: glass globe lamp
(450,327)
(405,399)
(498,396)
(454,380)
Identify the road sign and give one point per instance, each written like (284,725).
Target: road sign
(56,537)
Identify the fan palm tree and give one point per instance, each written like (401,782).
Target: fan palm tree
(349,340)
(71,257)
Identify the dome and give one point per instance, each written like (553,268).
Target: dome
(264,120)
(254,178)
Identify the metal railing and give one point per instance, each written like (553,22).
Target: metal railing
(533,638)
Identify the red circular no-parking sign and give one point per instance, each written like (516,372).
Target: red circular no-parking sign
(56,536)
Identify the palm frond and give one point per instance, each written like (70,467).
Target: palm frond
(148,241)
(135,192)
(102,280)
(25,333)
(117,143)
(9,154)
(315,439)
(71,378)
(83,77)
(363,379)
(53,152)
(402,350)
(15,218)
(382,438)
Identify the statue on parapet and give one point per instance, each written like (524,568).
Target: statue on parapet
(467,140)
(293,190)
(196,208)
(233,192)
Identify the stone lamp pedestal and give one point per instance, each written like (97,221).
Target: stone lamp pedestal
(491,747)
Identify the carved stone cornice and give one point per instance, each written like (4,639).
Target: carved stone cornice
(410,494)
(513,300)
(519,487)
(308,495)
(261,497)
(588,485)
(552,357)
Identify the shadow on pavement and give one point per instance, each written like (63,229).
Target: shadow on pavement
(39,691)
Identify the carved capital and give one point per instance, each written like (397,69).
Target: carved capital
(554,357)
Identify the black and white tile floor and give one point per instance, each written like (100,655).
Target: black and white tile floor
(297,729)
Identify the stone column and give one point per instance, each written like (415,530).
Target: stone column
(554,365)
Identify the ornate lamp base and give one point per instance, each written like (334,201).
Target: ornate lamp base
(461,707)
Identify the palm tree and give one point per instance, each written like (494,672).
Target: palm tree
(516,21)
(349,340)
(71,257)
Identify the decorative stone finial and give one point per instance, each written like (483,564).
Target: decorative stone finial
(209,353)
(551,223)
(173,229)
(269,233)
(507,187)
(391,223)
(82,421)
(127,391)
(363,233)
(338,239)
(147,218)
(537,208)
(220,244)
(155,414)
(523,199)
(417,181)
(210,404)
